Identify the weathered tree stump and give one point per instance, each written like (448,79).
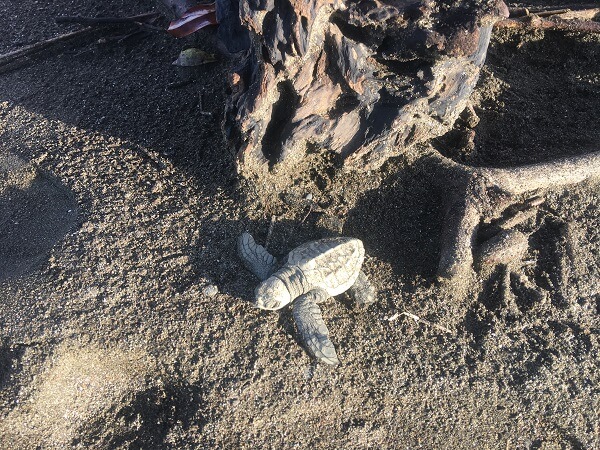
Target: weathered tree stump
(368,80)
(363,79)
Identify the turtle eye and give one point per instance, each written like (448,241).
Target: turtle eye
(267,303)
(272,304)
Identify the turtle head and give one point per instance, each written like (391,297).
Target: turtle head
(272,294)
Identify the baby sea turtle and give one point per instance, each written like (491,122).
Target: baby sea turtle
(311,274)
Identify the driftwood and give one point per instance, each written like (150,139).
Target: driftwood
(140,20)
(554,20)
(107,20)
(365,79)
(11,57)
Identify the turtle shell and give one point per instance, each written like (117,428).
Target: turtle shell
(332,264)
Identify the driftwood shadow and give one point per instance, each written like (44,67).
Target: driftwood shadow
(401,221)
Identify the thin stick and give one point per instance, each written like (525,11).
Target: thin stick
(121,39)
(9,57)
(107,20)
(552,13)
(418,319)
(582,14)
(554,23)
(310,209)
(270,231)
(150,27)
(541,11)
(201,104)
(180,84)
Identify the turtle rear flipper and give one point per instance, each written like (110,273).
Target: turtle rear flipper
(312,329)
(256,258)
(362,291)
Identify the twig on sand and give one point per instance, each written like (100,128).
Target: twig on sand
(310,209)
(143,21)
(418,319)
(557,20)
(121,38)
(201,104)
(139,20)
(133,20)
(180,83)
(10,57)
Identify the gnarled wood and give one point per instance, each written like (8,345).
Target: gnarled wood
(364,79)
(479,193)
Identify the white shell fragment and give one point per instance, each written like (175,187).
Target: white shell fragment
(210,291)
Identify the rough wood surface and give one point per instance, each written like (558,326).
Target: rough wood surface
(364,79)
(479,193)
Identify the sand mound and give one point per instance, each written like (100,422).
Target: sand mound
(80,398)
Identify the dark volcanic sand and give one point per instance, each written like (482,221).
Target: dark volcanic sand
(119,205)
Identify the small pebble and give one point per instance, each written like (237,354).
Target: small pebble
(210,291)
(309,372)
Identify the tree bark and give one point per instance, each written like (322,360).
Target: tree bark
(363,79)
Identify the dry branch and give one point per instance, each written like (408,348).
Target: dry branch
(542,11)
(559,20)
(28,50)
(107,20)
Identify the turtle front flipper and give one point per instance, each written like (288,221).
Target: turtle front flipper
(311,327)
(256,258)
(362,291)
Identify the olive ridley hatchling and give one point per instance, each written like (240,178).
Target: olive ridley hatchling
(311,274)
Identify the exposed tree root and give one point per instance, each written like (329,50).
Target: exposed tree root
(482,193)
